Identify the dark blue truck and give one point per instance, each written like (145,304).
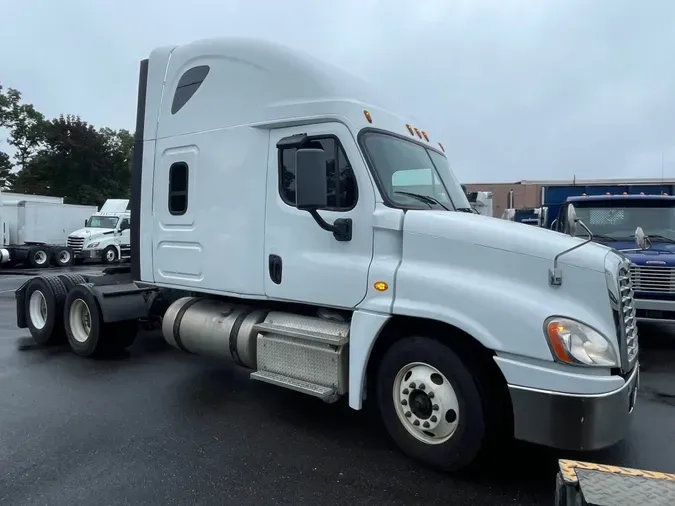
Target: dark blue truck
(613,219)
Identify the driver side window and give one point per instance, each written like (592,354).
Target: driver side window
(341,190)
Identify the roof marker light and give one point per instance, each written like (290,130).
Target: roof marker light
(426,137)
(442,148)
(410,129)
(417,131)
(368,116)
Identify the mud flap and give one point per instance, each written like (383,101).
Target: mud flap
(588,484)
(20,295)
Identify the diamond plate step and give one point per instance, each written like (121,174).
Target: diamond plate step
(588,484)
(324,393)
(300,333)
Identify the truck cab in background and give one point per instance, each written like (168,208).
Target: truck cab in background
(106,234)
(613,220)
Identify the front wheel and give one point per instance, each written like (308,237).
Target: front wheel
(431,403)
(110,255)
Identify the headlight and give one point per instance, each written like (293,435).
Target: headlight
(93,245)
(572,342)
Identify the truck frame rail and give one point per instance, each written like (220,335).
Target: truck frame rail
(588,484)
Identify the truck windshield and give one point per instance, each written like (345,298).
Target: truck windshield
(102,222)
(620,221)
(411,175)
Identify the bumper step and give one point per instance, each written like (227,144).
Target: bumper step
(588,484)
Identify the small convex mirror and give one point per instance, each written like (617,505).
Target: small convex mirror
(572,220)
(641,238)
(311,184)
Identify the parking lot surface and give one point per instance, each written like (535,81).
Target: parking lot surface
(159,427)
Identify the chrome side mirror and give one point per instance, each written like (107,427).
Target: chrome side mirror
(641,239)
(572,220)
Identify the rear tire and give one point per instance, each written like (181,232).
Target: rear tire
(62,256)
(88,335)
(44,301)
(431,403)
(38,257)
(70,280)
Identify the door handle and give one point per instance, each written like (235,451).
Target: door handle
(275,268)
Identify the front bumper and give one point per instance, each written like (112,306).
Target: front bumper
(654,310)
(574,422)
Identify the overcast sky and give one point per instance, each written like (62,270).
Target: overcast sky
(516,89)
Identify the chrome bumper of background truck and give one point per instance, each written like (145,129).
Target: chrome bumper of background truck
(654,310)
(574,422)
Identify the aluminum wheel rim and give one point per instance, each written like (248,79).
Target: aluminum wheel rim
(64,256)
(110,255)
(425,403)
(40,257)
(37,307)
(80,320)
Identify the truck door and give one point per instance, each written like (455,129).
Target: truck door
(303,262)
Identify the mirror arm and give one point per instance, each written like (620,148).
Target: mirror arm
(554,274)
(341,228)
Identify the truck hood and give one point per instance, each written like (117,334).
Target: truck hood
(660,254)
(89,233)
(506,235)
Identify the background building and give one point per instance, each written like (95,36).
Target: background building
(522,194)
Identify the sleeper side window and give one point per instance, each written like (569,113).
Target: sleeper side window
(178,188)
(187,86)
(342,188)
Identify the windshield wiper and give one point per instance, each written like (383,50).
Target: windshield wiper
(466,210)
(659,237)
(604,237)
(424,198)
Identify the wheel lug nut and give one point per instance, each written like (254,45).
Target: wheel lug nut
(435,407)
(413,386)
(431,395)
(422,386)
(406,391)
(425,425)
(433,418)
(416,423)
(408,414)
(404,402)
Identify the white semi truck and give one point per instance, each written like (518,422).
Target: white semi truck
(106,234)
(34,229)
(268,230)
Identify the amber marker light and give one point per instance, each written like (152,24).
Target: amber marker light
(410,129)
(441,146)
(368,116)
(426,137)
(381,286)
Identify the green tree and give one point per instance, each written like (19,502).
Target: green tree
(25,125)
(78,162)
(6,176)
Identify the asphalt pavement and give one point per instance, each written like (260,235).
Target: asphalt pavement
(161,427)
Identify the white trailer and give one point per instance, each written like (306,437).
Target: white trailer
(269,230)
(106,234)
(35,229)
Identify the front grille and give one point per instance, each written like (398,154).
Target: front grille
(649,278)
(76,243)
(626,312)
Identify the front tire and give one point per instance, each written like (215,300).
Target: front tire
(431,403)
(110,255)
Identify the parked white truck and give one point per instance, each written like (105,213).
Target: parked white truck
(106,234)
(35,227)
(268,230)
